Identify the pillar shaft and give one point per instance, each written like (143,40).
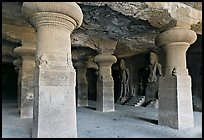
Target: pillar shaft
(19,89)
(27,52)
(55,83)
(176,58)
(82,84)
(27,91)
(105,83)
(175,96)
(18,68)
(54,103)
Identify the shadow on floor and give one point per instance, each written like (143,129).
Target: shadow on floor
(93,108)
(150,120)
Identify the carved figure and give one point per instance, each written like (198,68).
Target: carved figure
(155,70)
(124,82)
(153,67)
(42,62)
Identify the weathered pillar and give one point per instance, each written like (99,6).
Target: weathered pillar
(27,52)
(54,104)
(175,97)
(105,83)
(82,84)
(18,68)
(176,22)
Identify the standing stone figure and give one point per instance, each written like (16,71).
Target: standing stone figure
(153,67)
(124,83)
(155,70)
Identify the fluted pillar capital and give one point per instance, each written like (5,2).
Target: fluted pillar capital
(67,14)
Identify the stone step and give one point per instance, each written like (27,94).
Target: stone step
(136,101)
(153,104)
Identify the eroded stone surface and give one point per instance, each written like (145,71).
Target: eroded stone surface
(105,83)
(175,96)
(129,23)
(175,102)
(133,25)
(27,53)
(54,100)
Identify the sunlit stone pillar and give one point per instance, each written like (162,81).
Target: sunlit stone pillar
(27,52)
(175,96)
(54,106)
(105,83)
(18,68)
(82,84)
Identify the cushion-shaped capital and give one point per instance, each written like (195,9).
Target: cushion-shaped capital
(25,51)
(105,58)
(175,35)
(70,9)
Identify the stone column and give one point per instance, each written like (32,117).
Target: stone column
(8,56)
(175,97)
(105,83)
(82,84)
(54,104)
(27,52)
(18,68)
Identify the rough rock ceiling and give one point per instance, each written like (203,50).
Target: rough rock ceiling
(11,14)
(132,34)
(125,22)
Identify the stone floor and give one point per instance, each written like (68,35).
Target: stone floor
(125,122)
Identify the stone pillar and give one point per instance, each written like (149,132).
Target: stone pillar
(82,84)
(175,97)
(8,56)
(18,68)
(54,104)
(27,52)
(105,83)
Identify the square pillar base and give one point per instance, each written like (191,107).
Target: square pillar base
(55,104)
(105,95)
(82,97)
(175,102)
(26,99)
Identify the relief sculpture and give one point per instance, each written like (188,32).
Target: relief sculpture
(124,73)
(42,62)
